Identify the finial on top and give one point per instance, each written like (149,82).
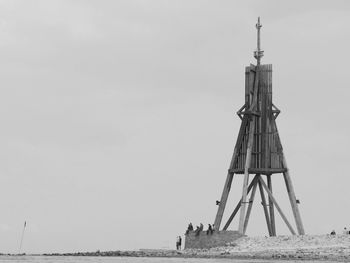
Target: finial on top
(258,53)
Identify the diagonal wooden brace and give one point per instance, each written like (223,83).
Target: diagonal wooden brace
(277,206)
(267,217)
(237,207)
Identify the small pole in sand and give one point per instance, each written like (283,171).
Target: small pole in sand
(20,246)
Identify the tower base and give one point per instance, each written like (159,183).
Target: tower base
(216,239)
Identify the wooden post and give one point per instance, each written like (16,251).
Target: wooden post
(290,188)
(246,176)
(249,150)
(227,186)
(263,200)
(293,200)
(272,212)
(237,208)
(251,200)
(277,206)
(223,200)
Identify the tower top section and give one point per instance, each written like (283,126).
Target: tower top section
(258,54)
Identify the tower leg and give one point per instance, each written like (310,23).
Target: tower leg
(293,200)
(246,176)
(227,186)
(223,200)
(290,190)
(271,208)
(251,200)
(263,201)
(243,203)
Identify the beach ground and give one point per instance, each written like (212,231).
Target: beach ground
(306,247)
(328,248)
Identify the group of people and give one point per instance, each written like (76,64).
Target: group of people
(345,232)
(199,229)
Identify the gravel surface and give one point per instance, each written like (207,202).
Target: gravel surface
(307,247)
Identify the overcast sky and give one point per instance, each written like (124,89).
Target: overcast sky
(117,118)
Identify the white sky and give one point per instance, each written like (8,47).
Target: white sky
(118,117)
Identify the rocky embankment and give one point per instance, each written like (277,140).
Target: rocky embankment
(120,253)
(323,247)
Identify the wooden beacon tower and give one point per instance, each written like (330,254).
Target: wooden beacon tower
(258,151)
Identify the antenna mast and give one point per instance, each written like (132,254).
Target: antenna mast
(258,54)
(20,246)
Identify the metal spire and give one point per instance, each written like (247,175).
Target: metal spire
(258,53)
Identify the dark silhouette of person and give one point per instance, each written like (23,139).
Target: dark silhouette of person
(201,227)
(178,243)
(189,228)
(345,231)
(210,230)
(197,231)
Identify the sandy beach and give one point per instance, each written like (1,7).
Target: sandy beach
(307,247)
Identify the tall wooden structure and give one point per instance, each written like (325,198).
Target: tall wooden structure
(258,151)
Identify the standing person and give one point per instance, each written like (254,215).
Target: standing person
(189,228)
(210,229)
(201,227)
(345,231)
(180,241)
(197,231)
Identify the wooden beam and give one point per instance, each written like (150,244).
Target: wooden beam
(277,206)
(293,200)
(249,152)
(223,200)
(263,200)
(264,113)
(265,171)
(237,208)
(272,211)
(251,200)
(227,186)
(238,142)
(246,177)
(232,215)
(290,189)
